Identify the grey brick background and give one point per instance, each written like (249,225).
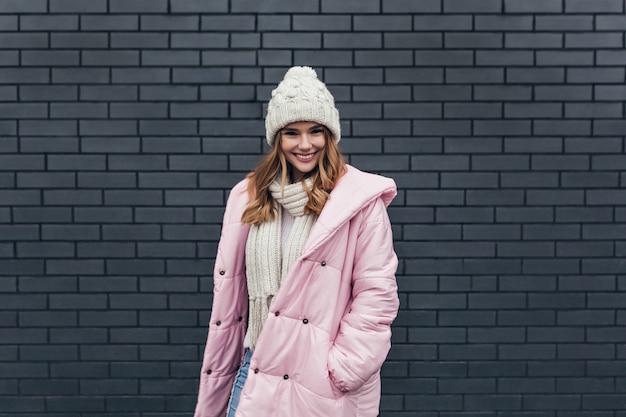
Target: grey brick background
(123,123)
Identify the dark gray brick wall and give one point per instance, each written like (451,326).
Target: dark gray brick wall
(123,123)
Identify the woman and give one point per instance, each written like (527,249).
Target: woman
(304,280)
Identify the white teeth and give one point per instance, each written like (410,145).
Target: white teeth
(304,157)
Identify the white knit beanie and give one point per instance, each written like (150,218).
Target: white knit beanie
(301,97)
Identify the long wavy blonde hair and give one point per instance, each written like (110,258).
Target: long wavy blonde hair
(330,167)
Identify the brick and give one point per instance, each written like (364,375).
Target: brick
(556,334)
(460,6)
(77,267)
(526,318)
(273,6)
(102,215)
(586,317)
(109,145)
(402,145)
(444,250)
(132,163)
(464,215)
(503,22)
(593,110)
(491,232)
(169,22)
(469,180)
(602,197)
(565,58)
(47,22)
(444,58)
(105,180)
(352,41)
(140,76)
(24,76)
(270,23)
(533,40)
(104,58)
(169,318)
(609,22)
(560,368)
(23,40)
(466,318)
(111,23)
(583,214)
(494,197)
(525,249)
(529,180)
(593,40)
(45,250)
(586,351)
(52,145)
(502,128)
(602,266)
(163,215)
(138,6)
(135,267)
(381,128)
(474,75)
(193,198)
(139,40)
(112,127)
(441,93)
(601,231)
(130,232)
(321,23)
(280,40)
(533,6)
(564,23)
(551,232)
(387,58)
(80,75)
(471,110)
(590,180)
(110,285)
(467,352)
(600,6)
(412,40)
(504,57)
(441,127)
(228,23)
(527,351)
(111,92)
(448,22)
(196,6)
(435,198)
(169,57)
(595,75)
(473,40)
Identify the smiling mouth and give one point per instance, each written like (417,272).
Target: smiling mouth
(305,158)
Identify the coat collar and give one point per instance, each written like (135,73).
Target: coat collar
(354,191)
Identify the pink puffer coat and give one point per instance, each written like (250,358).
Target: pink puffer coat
(328,332)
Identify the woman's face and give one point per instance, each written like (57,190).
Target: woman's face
(301,142)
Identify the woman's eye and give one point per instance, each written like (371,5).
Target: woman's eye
(317,131)
(289,133)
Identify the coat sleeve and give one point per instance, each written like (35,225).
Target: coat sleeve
(364,336)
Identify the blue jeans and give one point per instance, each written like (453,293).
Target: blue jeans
(240,379)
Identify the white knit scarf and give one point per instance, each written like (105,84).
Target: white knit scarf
(265,267)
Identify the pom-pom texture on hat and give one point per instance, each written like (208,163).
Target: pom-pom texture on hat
(301,97)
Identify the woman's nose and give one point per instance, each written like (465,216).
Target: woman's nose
(305,141)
